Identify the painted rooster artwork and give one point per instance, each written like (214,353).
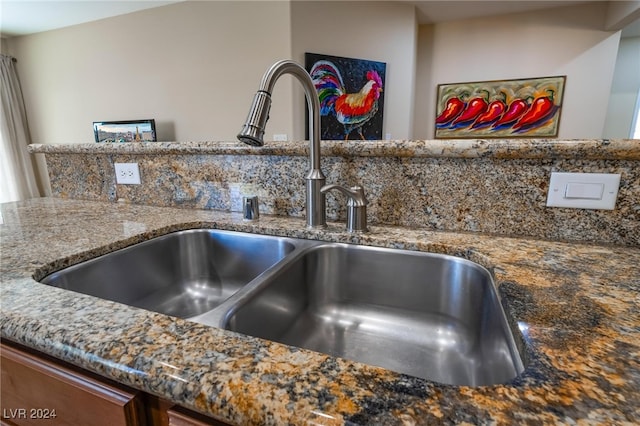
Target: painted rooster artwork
(351,96)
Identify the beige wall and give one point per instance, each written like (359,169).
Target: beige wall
(192,66)
(564,41)
(4,46)
(373,30)
(624,90)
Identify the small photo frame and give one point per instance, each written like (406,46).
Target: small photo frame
(125,131)
(528,107)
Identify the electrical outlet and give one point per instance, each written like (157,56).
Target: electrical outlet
(127,173)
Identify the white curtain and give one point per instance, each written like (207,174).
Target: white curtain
(17,177)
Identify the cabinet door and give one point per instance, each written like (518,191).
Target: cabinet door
(36,391)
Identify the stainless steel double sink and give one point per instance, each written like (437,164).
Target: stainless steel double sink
(427,315)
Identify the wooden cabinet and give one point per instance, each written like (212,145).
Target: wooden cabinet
(164,413)
(176,418)
(38,390)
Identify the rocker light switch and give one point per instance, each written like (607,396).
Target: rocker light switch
(583,190)
(586,191)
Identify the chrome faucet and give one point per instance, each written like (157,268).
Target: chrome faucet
(253,131)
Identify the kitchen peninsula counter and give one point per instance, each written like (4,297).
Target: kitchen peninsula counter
(574,307)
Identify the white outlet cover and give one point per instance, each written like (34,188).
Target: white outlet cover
(596,191)
(127,173)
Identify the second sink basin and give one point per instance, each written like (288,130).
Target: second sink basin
(427,315)
(182,274)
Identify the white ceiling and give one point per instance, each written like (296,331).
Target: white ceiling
(21,17)
(442,11)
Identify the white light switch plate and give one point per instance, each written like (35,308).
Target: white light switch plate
(596,191)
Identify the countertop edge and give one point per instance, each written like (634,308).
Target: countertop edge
(601,149)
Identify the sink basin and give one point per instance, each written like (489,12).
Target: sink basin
(427,315)
(182,274)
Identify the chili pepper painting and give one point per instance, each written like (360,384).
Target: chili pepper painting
(473,109)
(493,113)
(516,109)
(452,109)
(500,109)
(540,108)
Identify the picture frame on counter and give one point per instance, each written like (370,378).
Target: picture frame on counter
(125,131)
(528,107)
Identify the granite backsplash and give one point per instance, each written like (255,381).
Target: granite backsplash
(489,186)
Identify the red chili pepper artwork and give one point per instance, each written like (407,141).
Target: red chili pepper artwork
(493,112)
(540,109)
(475,107)
(528,107)
(516,109)
(452,109)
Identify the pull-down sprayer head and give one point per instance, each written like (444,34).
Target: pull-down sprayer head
(253,129)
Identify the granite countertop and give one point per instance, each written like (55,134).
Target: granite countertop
(576,306)
(591,149)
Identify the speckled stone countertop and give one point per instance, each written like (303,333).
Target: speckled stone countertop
(600,149)
(576,306)
(490,186)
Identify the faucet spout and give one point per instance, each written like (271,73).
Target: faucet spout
(252,132)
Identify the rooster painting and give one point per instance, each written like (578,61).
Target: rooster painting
(354,107)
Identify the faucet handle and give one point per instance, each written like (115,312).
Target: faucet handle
(356,206)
